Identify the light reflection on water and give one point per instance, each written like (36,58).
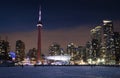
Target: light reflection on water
(60,72)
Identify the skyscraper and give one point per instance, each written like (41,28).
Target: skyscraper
(4,50)
(117,46)
(32,54)
(55,49)
(96,42)
(72,50)
(20,50)
(39,25)
(109,40)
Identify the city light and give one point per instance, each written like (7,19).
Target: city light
(61,58)
(106,21)
(103,48)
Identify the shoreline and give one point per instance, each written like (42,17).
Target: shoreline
(58,65)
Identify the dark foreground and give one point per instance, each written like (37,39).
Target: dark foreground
(60,72)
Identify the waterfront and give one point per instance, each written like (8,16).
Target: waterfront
(60,72)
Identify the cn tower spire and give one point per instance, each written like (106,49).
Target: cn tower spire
(39,21)
(39,25)
(40,13)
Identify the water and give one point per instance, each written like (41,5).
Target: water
(60,72)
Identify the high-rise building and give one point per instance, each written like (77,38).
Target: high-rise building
(32,54)
(109,41)
(88,50)
(20,50)
(81,53)
(96,39)
(72,51)
(39,25)
(4,50)
(96,33)
(117,46)
(55,49)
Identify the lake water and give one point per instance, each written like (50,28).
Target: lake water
(60,72)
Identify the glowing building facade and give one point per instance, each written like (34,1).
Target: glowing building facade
(108,33)
(32,54)
(20,50)
(96,39)
(72,51)
(117,46)
(55,49)
(4,50)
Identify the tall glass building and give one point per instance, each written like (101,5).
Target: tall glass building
(96,39)
(20,50)
(108,32)
(4,50)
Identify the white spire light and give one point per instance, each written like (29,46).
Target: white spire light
(39,21)
(40,14)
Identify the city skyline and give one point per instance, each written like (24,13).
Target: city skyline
(102,48)
(63,21)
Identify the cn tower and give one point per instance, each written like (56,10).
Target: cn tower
(39,25)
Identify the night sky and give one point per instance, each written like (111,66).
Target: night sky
(63,20)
